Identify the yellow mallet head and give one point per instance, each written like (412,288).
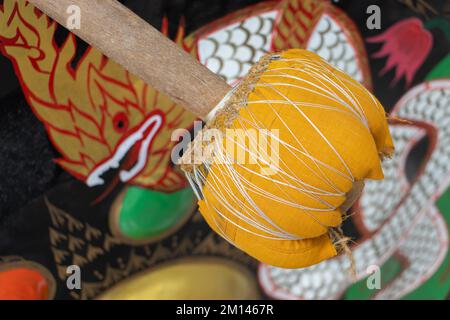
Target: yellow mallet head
(288,145)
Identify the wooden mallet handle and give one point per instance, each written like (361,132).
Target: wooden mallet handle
(130,41)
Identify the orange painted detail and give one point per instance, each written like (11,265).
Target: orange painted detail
(23,284)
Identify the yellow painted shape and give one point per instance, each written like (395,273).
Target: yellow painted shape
(188,279)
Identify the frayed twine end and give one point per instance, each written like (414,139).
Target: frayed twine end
(341,243)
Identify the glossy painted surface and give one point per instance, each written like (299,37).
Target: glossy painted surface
(146,214)
(195,278)
(23,284)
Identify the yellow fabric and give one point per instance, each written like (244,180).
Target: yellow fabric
(325,129)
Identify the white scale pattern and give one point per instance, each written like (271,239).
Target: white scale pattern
(424,249)
(329,42)
(231,51)
(378,198)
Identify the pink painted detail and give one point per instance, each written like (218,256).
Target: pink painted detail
(406,45)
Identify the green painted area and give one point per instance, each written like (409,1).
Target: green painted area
(438,286)
(441,70)
(439,23)
(146,213)
(359,291)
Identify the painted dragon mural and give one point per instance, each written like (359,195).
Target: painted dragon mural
(110,127)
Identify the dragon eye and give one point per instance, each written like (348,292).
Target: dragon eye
(120,122)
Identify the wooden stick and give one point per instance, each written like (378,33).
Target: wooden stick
(130,41)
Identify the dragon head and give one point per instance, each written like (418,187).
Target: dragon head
(98,116)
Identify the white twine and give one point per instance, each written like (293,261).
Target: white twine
(242,207)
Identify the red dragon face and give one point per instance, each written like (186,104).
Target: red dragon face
(98,116)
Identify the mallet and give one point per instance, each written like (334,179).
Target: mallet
(283,154)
